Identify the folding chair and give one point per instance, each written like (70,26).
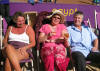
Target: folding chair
(39,22)
(97,19)
(4,26)
(28,64)
(95,30)
(97,22)
(87,23)
(1,56)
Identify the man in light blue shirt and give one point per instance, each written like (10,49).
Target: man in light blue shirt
(83,42)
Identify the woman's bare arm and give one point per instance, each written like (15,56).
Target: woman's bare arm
(31,34)
(5,40)
(42,37)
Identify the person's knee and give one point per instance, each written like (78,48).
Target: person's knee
(49,59)
(8,48)
(77,54)
(7,61)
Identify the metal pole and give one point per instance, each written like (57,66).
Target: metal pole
(95,20)
(1,19)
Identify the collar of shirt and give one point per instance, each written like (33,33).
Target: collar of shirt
(76,29)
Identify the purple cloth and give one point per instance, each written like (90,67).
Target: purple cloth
(86,23)
(4,26)
(17,45)
(98,19)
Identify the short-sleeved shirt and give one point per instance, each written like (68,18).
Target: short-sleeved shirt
(46,29)
(81,40)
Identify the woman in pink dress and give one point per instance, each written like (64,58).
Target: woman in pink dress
(53,52)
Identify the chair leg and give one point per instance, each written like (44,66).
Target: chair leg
(38,58)
(23,68)
(32,64)
(73,68)
(91,68)
(54,69)
(1,66)
(26,64)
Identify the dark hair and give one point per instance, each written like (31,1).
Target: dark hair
(78,13)
(16,15)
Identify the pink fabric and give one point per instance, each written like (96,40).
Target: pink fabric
(98,19)
(54,54)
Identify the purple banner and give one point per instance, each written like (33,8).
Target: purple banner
(67,9)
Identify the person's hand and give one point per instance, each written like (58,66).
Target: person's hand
(65,34)
(51,34)
(47,40)
(65,40)
(60,40)
(5,45)
(66,43)
(94,49)
(22,50)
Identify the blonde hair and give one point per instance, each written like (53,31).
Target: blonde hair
(16,15)
(79,13)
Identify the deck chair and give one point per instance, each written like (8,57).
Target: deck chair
(88,23)
(2,59)
(26,64)
(96,31)
(41,19)
(97,22)
(97,19)
(1,55)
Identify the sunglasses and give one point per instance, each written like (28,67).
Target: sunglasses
(57,17)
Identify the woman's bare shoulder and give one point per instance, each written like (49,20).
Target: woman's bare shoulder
(9,27)
(29,29)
